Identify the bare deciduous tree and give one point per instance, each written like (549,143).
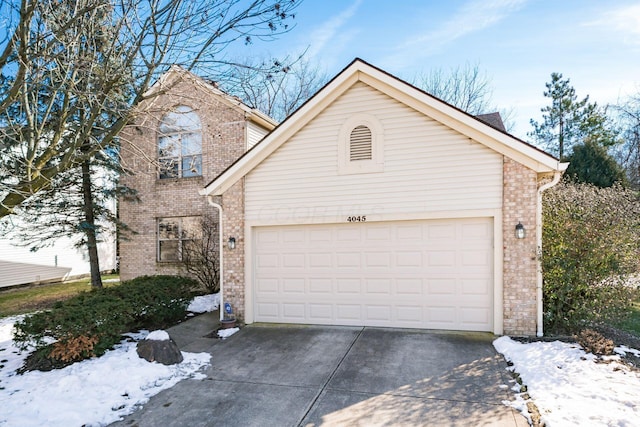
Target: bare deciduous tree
(62,60)
(278,91)
(200,254)
(628,153)
(467,88)
(72,72)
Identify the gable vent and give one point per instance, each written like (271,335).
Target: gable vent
(360,144)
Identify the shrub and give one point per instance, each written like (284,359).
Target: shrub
(89,324)
(591,241)
(200,254)
(594,342)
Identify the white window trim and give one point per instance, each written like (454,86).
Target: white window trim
(376,164)
(179,135)
(180,239)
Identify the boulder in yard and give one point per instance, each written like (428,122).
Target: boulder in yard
(159,347)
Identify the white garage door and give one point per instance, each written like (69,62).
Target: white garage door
(435,274)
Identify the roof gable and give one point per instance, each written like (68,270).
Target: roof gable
(177,74)
(360,71)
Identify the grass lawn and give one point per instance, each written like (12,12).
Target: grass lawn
(28,299)
(632,324)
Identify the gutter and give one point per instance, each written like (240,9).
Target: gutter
(220,248)
(556,178)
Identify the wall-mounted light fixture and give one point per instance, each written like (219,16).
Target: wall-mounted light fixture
(520,231)
(232,243)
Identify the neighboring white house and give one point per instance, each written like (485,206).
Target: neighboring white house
(19,265)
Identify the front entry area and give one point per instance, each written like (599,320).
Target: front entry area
(432,274)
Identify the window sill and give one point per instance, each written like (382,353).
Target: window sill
(168,262)
(199,178)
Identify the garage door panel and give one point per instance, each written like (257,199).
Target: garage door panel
(441,258)
(410,314)
(409,259)
(475,258)
(348,286)
(267,260)
(417,274)
(267,285)
(320,285)
(440,286)
(268,311)
(293,311)
(295,285)
(474,316)
(476,231)
(348,260)
(320,260)
(378,286)
(321,313)
(293,260)
(475,287)
(348,312)
(378,313)
(348,235)
(442,316)
(410,287)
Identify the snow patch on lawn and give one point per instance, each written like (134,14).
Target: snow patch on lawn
(204,303)
(95,392)
(571,387)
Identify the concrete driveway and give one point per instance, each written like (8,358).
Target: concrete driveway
(310,376)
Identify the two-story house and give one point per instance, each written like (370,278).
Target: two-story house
(184,135)
(374,204)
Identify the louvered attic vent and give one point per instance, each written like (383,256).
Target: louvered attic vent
(360,144)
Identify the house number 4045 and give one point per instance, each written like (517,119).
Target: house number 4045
(358,218)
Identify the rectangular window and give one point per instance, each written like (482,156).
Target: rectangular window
(173,234)
(180,156)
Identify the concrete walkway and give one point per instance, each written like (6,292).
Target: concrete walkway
(282,375)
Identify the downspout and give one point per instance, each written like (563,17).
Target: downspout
(219,208)
(556,178)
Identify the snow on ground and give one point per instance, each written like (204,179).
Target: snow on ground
(567,385)
(94,392)
(204,303)
(573,388)
(226,333)
(158,336)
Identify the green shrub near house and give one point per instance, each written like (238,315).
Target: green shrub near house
(591,246)
(92,322)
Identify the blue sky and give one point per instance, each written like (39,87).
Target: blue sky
(517,43)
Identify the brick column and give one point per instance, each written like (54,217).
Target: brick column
(233,226)
(520,257)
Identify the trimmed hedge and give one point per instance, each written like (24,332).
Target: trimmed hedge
(91,323)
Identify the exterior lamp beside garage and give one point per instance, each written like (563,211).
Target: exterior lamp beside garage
(520,231)
(232,243)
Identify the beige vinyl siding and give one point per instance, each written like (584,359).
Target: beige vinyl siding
(17,273)
(427,168)
(254,134)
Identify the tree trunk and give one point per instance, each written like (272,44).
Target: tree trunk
(89,227)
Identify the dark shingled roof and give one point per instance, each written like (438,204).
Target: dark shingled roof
(493,120)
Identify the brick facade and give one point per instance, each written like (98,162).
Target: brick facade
(520,192)
(223,141)
(233,226)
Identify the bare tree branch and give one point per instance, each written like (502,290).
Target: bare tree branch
(96,59)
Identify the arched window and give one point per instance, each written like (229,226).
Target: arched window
(180,144)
